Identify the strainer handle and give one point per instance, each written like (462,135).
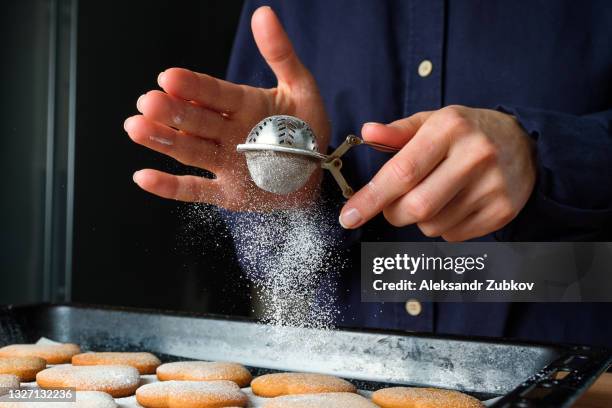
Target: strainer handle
(333,163)
(381,147)
(334,166)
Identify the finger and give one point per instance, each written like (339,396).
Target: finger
(398,176)
(275,46)
(457,210)
(187,149)
(181,188)
(212,93)
(180,114)
(488,219)
(395,134)
(474,195)
(426,200)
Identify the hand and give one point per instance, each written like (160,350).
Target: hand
(199,120)
(462,173)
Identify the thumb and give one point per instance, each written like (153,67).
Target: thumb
(275,47)
(395,134)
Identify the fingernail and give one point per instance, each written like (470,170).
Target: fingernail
(350,218)
(136,176)
(368,124)
(139,102)
(160,78)
(126,124)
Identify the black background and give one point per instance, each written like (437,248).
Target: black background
(131,248)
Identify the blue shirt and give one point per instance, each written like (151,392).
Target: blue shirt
(549,63)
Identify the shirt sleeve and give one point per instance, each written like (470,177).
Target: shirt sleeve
(572,199)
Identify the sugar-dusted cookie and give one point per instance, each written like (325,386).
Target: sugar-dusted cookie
(191,394)
(52,353)
(324,400)
(411,397)
(116,380)
(25,368)
(204,371)
(145,363)
(273,385)
(8,382)
(84,399)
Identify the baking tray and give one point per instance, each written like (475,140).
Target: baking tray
(522,374)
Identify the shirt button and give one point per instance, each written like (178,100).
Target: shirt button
(425,68)
(413,307)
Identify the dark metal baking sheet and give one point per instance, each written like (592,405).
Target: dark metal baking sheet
(523,373)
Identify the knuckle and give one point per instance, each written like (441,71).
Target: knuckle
(405,171)
(485,152)
(241,93)
(370,195)
(505,212)
(419,205)
(455,119)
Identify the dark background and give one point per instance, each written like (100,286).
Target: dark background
(129,248)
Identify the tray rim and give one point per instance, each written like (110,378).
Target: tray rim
(569,391)
(216,316)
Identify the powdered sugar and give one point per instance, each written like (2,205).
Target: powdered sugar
(84,399)
(90,378)
(204,371)
(278,172)
(176,393)
(8,381)
(290,258)
(57,353)
(272,385)
(324,400)
(145,363)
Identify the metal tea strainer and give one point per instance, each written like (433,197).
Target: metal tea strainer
(282,153)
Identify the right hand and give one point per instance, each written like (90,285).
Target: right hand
(198,120)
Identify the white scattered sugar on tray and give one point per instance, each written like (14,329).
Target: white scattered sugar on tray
(254,400)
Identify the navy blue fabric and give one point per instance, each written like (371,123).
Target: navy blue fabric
(549,63)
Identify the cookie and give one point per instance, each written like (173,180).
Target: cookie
(116,380)
(8,382)
(274,385)
(84,399)
(205,371)
(324,400)
(410,397)
(145,363)
(25,368)
(191,394)
(52,353)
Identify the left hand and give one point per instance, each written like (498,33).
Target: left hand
(462,173)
